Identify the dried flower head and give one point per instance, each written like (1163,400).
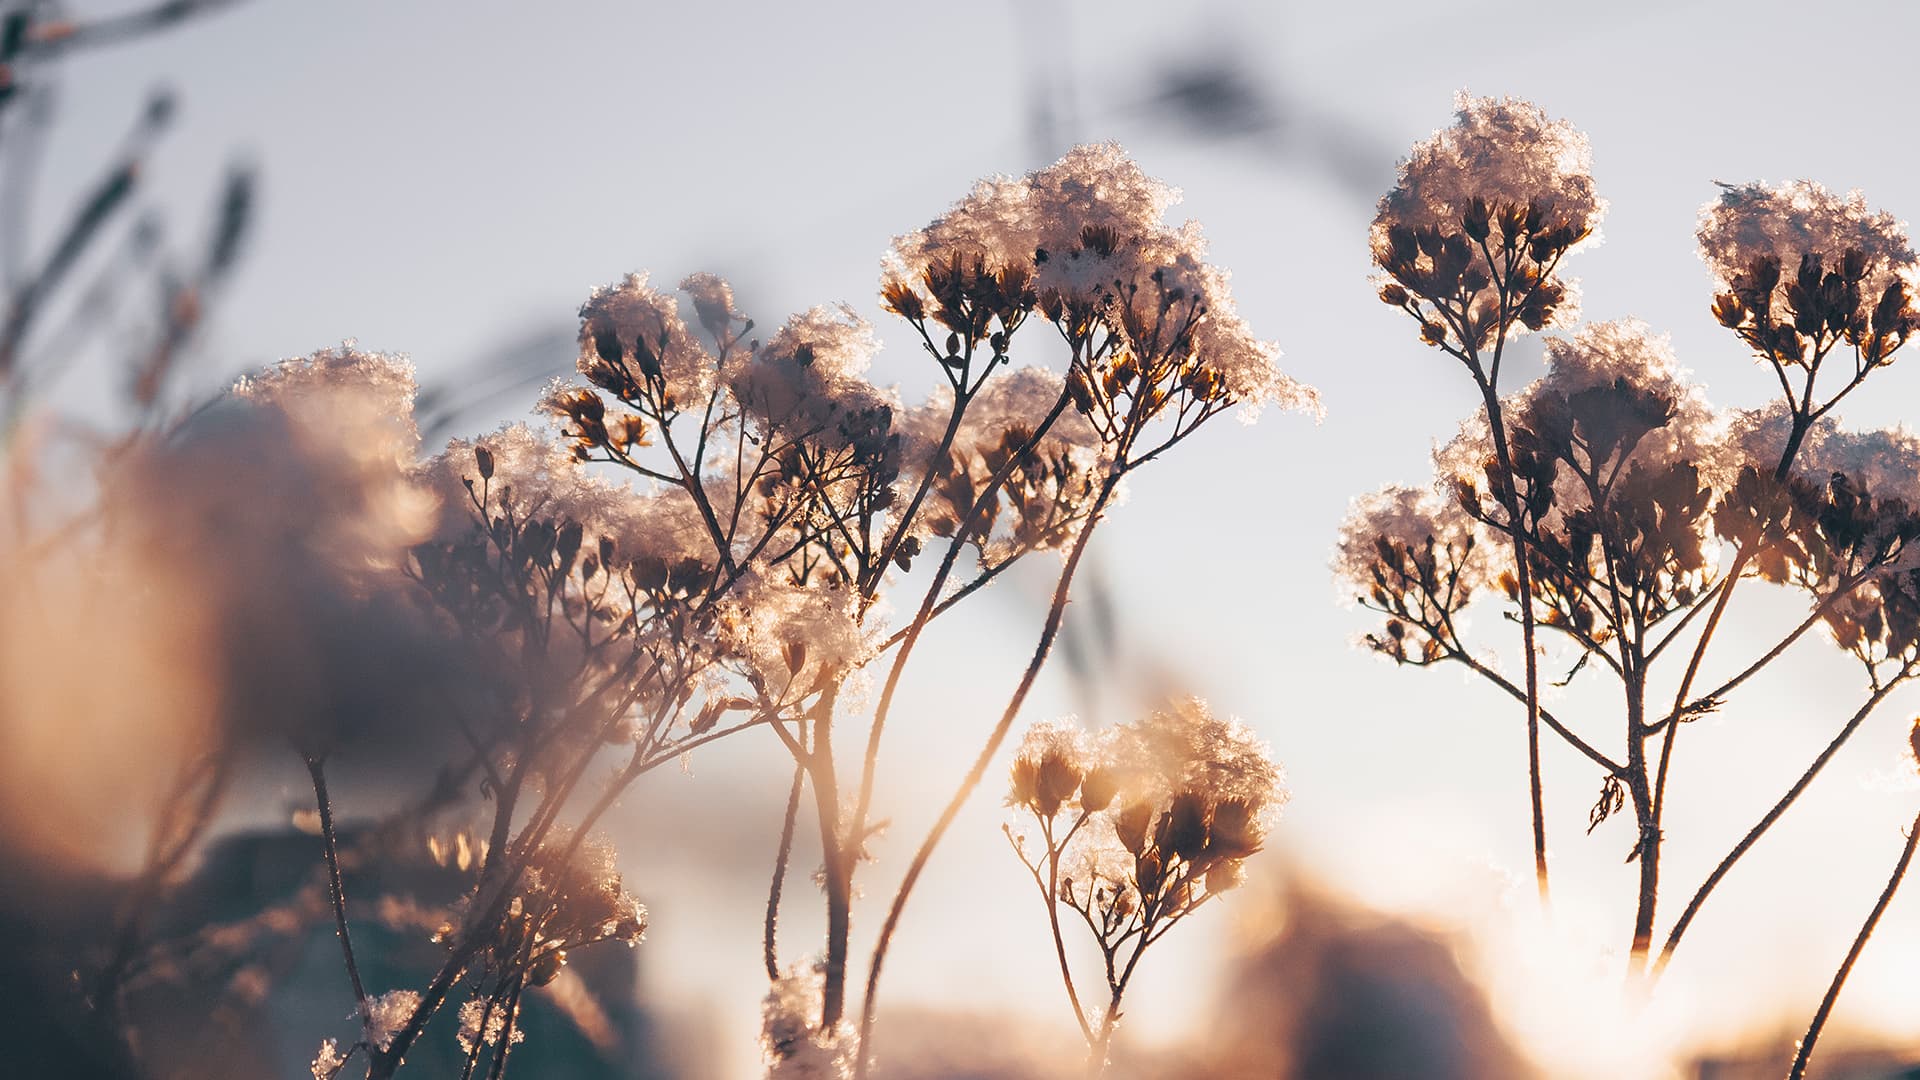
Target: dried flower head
(1471,236)
(1500,152)
(808,383)
(1418,559)
(635,346)
(1798,268)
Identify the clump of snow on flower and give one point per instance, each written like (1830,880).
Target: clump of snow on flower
(794,1045)
(1186,747)
(1885,462)
(343,439)
(1799,218)
(1502,150)
(1407,518)
(384,1016)
(643,324)
(329,1061)
(473,1014)
(1623,357)
(809,380)
(712,301)
(768,623)
(1091,227)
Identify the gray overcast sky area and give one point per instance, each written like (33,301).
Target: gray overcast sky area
(449,178)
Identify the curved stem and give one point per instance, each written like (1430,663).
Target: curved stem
(1055,612)
(316,768)
(780,872)
(1846,966)
(1052,895)
(1772,815)
(931,606)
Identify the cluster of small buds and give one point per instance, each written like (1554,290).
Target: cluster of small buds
(635,346)
(1466,291)
(1801,270)
(1416,559)
(1470,238)
(975,304)
(1142,825)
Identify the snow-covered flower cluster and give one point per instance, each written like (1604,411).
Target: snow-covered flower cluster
(1614,398)
(1502,152)
(1047,486)
(1884,461)
(634,344)
(808,384)
(1085,242)
(1471,236)
(793,640)
(1139,826)
(1788,222)
(1799,269)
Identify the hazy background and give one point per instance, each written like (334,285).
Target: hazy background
(449,179)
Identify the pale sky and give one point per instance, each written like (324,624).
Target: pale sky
(443,178)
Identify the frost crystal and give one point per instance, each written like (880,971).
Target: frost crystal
(634,326)
(329,1061)
(387,1014)
(794,1047)
(470,1034)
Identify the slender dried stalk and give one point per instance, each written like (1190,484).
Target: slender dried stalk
(780,873)
(1805,1052)
(316,768)
(1055,612)
(1766,822)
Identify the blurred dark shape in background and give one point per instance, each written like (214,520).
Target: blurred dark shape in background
(1218,94)
(1338,993)
(448,406)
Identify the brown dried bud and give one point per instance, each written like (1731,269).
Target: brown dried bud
(1728,309)
(1131,826)
(1055,781)
(1098,789)
(1183,830)
(483,459)
(547,968)
(1477,219)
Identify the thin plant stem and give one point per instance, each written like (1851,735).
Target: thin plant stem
(316,768)
(780,873)
(1805,1053)
(1766,822)
(1055,613)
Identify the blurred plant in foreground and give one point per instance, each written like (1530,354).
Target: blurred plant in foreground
(1138,829)
(1607,504)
